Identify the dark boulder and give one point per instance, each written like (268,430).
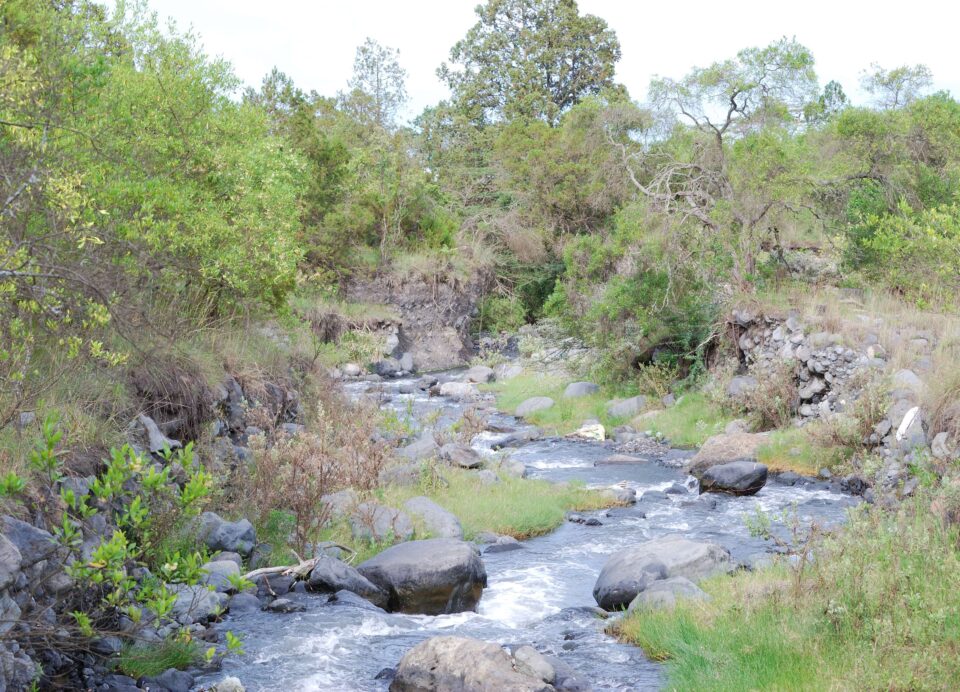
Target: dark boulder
(431,577)
(330,575)
(735,478)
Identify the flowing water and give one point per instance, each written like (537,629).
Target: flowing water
(540,595)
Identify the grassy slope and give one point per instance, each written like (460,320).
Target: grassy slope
(879,609)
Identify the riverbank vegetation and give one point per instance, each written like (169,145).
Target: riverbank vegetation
(877,608)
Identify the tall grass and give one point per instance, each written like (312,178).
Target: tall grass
(879,609)
(689,422)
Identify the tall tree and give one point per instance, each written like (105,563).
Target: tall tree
(896,87)
(378,85)
(736,165)
(530,58)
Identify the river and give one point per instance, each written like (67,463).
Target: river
(539,595)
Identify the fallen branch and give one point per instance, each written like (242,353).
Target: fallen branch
(301,570)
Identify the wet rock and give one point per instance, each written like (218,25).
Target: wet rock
(631,571)
(627,408)
(666,592)
(229,684)
(504,544)
(618,459)
(348,598)
(576,390)
(331,576)
(721,449)
(157,442)
(461,664)
(243,603)
(735,478)
(388,367)
(528,661)
(172,680)
(461,456)
(534,404)
(620,496)
(480,374)
(431,577)
(232,536)
(406,362)
(372,521)
(284,605)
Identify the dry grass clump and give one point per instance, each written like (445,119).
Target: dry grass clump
(291,473)
(774,401)
(942,398)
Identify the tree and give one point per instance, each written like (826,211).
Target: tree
(897,87)
(530,58)
(378,85)
(831,102)
(731,163)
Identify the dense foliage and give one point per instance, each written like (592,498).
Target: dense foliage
(138,181)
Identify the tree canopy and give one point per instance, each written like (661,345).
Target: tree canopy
(530,58)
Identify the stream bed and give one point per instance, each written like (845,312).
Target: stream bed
(539,595)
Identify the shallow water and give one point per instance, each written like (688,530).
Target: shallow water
(539,595)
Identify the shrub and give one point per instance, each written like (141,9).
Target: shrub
(289,477)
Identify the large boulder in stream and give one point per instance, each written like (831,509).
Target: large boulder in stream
(724,448)
(462,664)
(633,570)
(735,478)
(431,577)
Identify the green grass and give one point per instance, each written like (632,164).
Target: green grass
(690,421)
(795,449)
(522,508)
(149,660)
(566,415)
(878,609)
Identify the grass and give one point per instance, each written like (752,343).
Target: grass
(522,508)
(690,421)
(566,415)
(795,449)
(149,660)
(878,609)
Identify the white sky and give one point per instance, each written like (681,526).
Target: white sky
(314,41)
